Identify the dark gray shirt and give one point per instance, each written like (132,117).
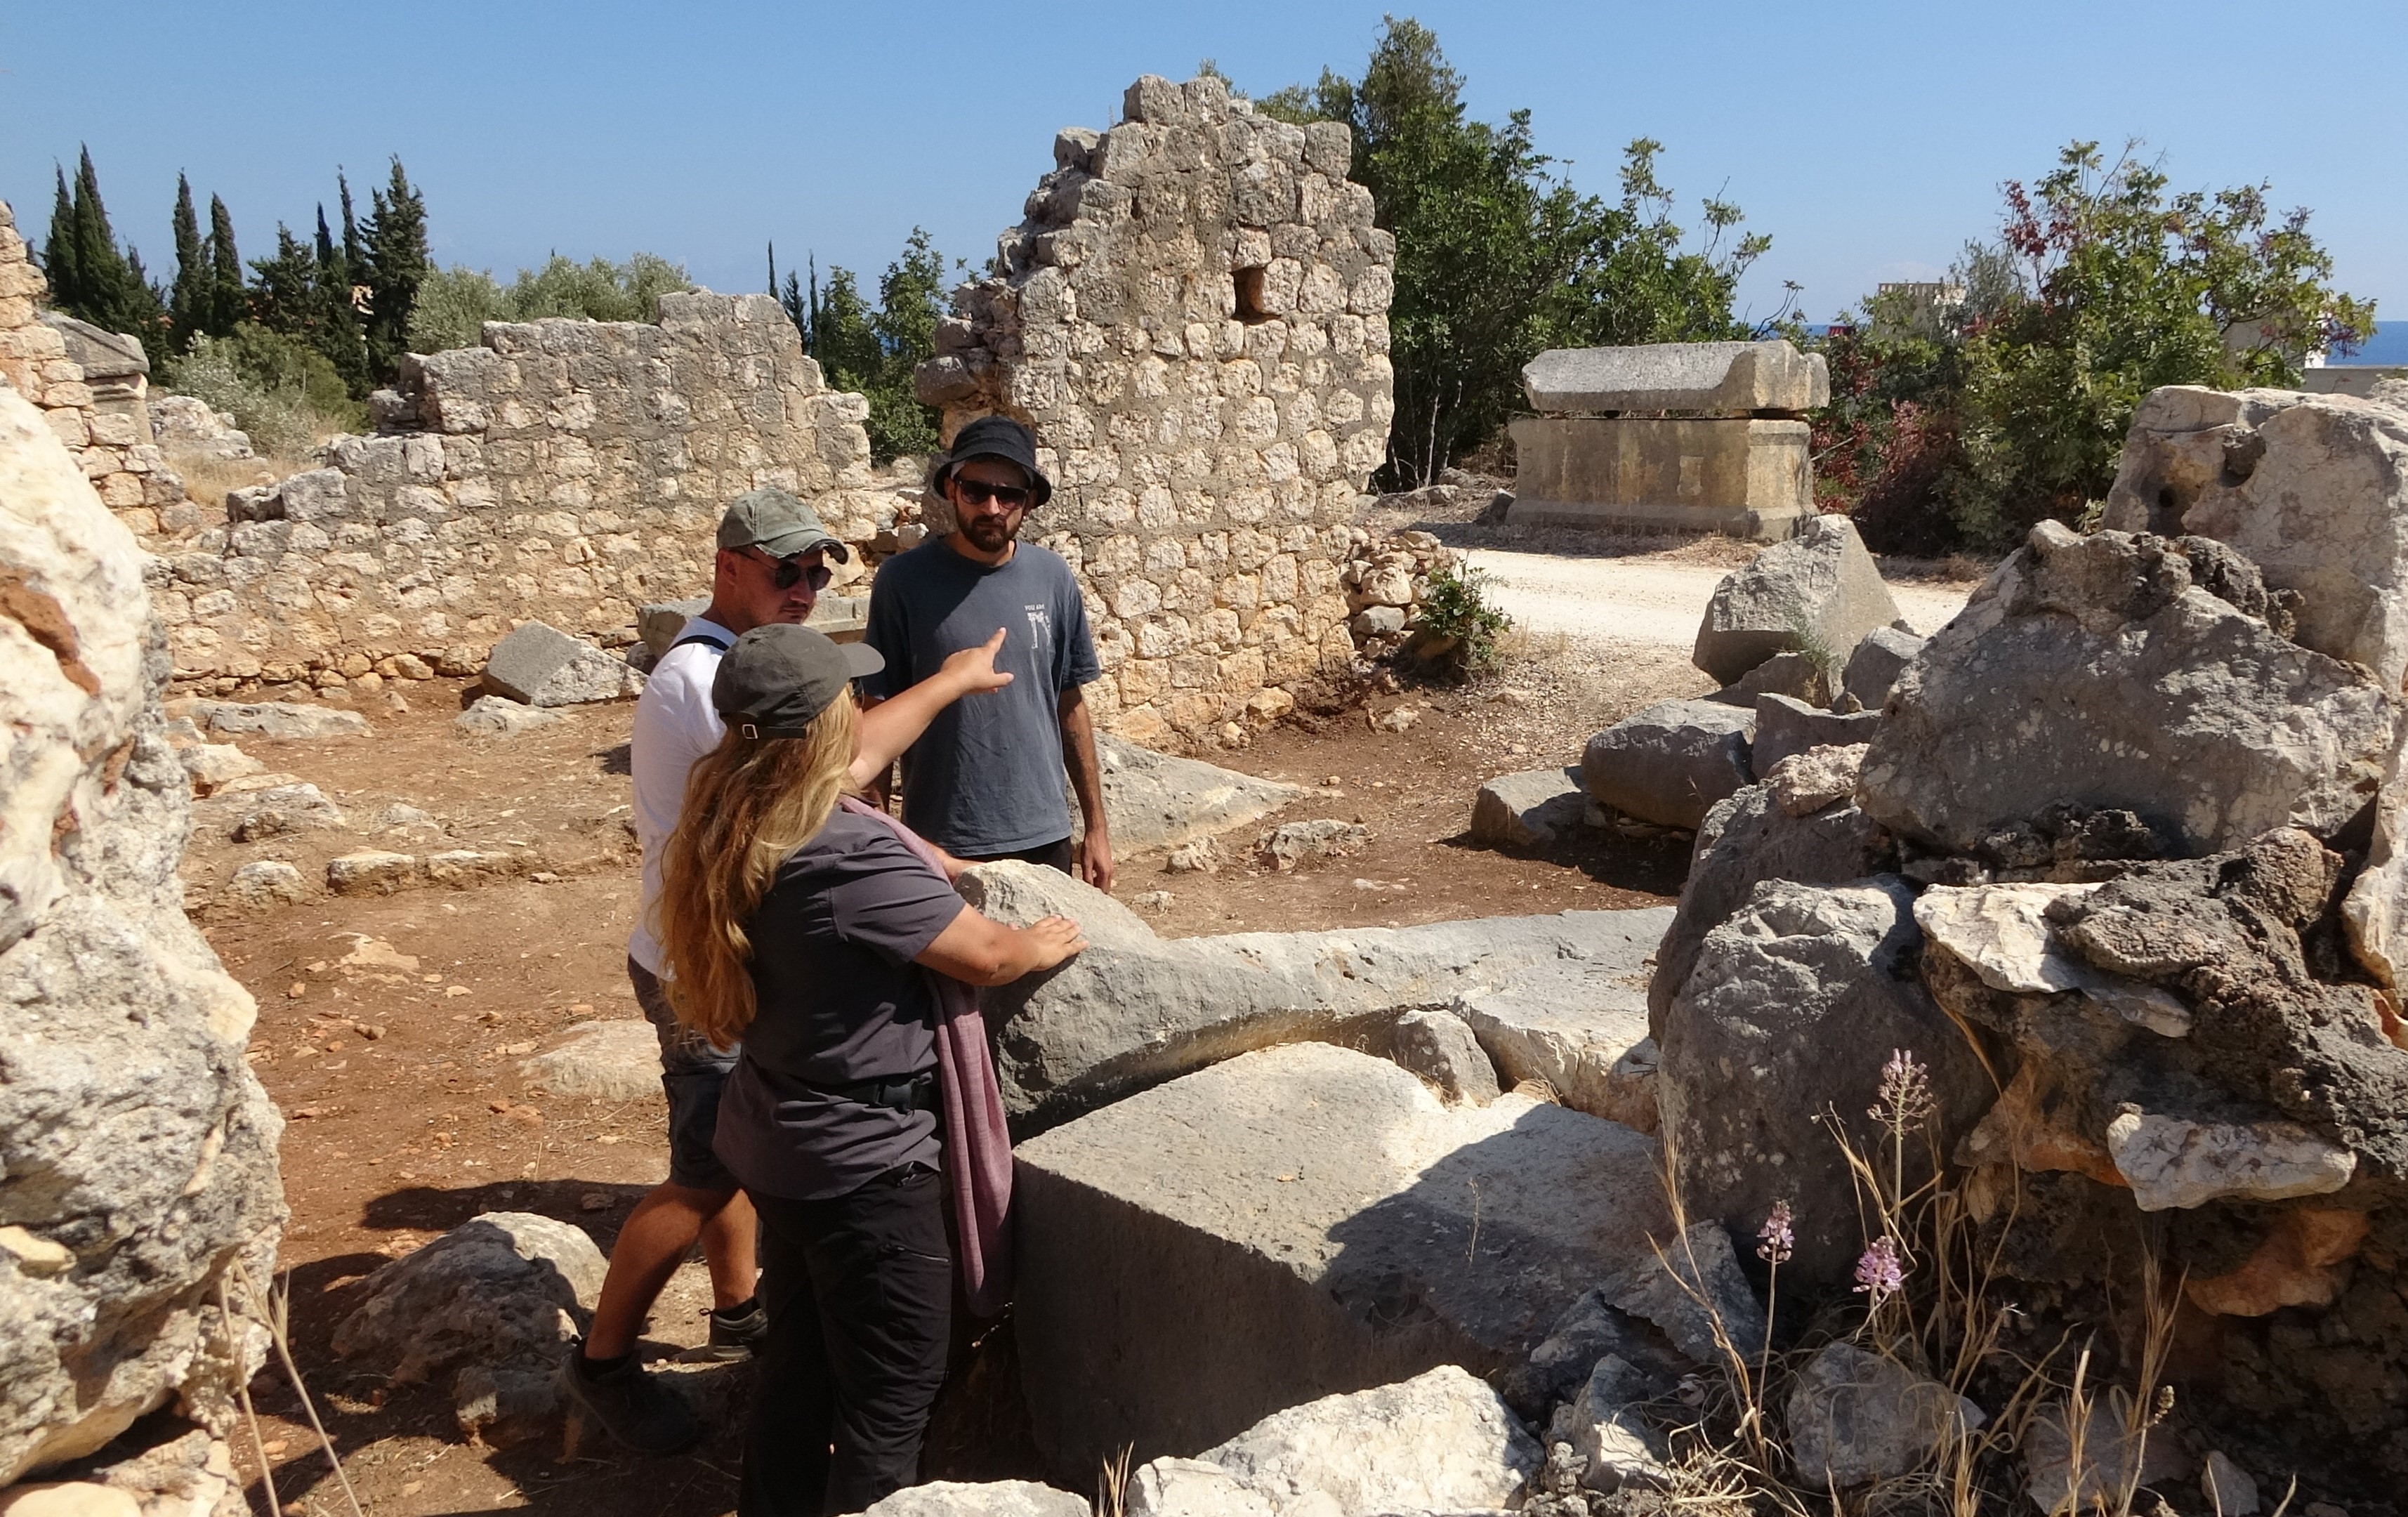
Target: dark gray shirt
(839,1001)
(985,779)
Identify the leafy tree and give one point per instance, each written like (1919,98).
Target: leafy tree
(281,390)
(89,276)
(874,351)
(229,303)
(1498,255)
(393,253)
(453,302)
(189,308)
(1964,426)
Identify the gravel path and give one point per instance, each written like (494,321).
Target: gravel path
(1635,600)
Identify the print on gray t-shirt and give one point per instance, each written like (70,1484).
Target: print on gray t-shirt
(986,777)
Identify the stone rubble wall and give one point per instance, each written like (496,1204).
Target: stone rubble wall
(124,467)
(1193,319)
(563,471)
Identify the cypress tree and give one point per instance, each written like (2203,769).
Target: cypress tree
(103,285)
(355,258)
(335,327)
(229,302)
(281,297)
(58,249)
(188,303)
(395,237)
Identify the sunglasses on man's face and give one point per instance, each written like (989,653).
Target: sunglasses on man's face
(785,573)
(978,493)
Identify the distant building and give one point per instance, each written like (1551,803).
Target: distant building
(1901,307)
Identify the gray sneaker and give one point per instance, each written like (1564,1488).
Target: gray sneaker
(731,1340)
(637,1410)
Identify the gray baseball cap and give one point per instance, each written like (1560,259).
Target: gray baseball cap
(780,526)
(777,678)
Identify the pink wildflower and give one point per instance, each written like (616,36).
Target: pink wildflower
(1904,1098)
(1881,1273)
(1779,1240)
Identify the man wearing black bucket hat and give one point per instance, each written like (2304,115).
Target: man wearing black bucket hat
(985,781)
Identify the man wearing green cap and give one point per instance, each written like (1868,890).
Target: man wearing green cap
(986,782)
(770,567)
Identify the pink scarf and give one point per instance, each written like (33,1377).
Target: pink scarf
(978,1145)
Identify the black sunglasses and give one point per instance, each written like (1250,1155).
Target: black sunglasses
(786,572)
(978,493)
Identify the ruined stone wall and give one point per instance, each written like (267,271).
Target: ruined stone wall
(567,471)
(1193,317)
(112,445)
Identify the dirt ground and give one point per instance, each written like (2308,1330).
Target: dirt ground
(391,1027)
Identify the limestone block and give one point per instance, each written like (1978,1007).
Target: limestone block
(1786,727)
(498,716)
(1608,1434)
(1876,666)
(611,1061)
(149,1151)
(1716,378)
(1440,1441)
(1671,763)
(2094,672)
(1579,1030)
(1748,479)
(1156,800)
(1441,1048)
(1805,783)
(991,1498)
(262,885)
(1135,1009)
(2174,1163)
(279,719)
(1311,1193)
(1819,594)
(371,872)
(1529,809)
(542,665)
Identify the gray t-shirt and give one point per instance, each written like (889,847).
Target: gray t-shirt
(985,779)
(838,1001)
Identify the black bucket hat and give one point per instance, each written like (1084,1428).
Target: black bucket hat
(777,679)
(994,436)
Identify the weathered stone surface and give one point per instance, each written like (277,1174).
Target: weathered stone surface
(1529,809)
(1786,727)
(1619,1446)
(2001,933)
(1794,1005)
(1818,593)
(2170,1162)
(371,872)
(1793,675)
(1155,800)
(615,1061)
(2228,1487)
(1745,841)
(1804,783)
(2094,672)
(987,1499)
(1752,478)
(279,719)
(1293,843)
(1671,763)
(2375,912)
(542,665)
(659,626)
(1135,1009)
(1588,1331)
(212,764)
(68,1498)
(2111,1457)
(1876,666)
(264,884)
(138,1144)
(1855,1417)
(1691,1287)
(1581,1030)
(1324,1201)
(1169,1487)
(1440,1441)
(490,1306)
(268,813)
(1727,378)
(2313,489)
(498,716)
(1441,1048)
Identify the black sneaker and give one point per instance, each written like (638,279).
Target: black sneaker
(737,1334)
(634,1408)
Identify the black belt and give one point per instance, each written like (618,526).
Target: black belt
(897,1093)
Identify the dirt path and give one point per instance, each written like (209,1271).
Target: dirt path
(1593,600)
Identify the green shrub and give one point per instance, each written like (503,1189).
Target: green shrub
(1458,627)
(283,393)
(455,303)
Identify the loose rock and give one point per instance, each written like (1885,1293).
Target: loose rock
(611,1061)
(1293,843)
(1876,664)
(1605,1430)
(279,719)
(1820,593)
(1805,783)
(991,1498)
(263,883)
(1786,728)
(1529,809)
(212,764)
(1855,1417)
(1154,800)
(1691,1287)
(1441,1048)
(1671,763)
(541,665)
(371,872)
(498,717)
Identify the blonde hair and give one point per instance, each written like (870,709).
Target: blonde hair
(748,804)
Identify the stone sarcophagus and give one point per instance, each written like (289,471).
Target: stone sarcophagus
(1697,437)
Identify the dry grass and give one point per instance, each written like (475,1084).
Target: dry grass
(207,479)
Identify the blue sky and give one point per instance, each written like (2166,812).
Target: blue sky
(1869,139)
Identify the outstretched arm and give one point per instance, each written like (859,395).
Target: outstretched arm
(895,724)
(981,950)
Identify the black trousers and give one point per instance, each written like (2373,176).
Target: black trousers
(859,1290)
(1060,855)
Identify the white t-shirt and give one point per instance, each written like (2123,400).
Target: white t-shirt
(675,725)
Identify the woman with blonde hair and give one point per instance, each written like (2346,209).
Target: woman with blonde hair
(830,941)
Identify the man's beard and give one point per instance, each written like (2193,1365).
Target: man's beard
(986,532)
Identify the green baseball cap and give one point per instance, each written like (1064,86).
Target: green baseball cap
(780,526)
(777,678)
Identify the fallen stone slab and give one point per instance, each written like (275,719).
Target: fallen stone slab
(460,867)
(1804,783)
(1441,1048)
(263,883)
(1325,1202)
(1579,1029)
(286,808)
(278,719)
(1876,664)
(2094,672)
(498,716)
(1604,1428)
(613,1061)
(212,765)
(488,1308)
(1786,727)
(1529,809)
(1135,1009)
(1293,843)
(1855,1417)
(1692,1288)
(1818,593)
(371,872)
(1794,675)
(1728,379)
(983,1499)
(1156,800)
(542,666)
(1671,763)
